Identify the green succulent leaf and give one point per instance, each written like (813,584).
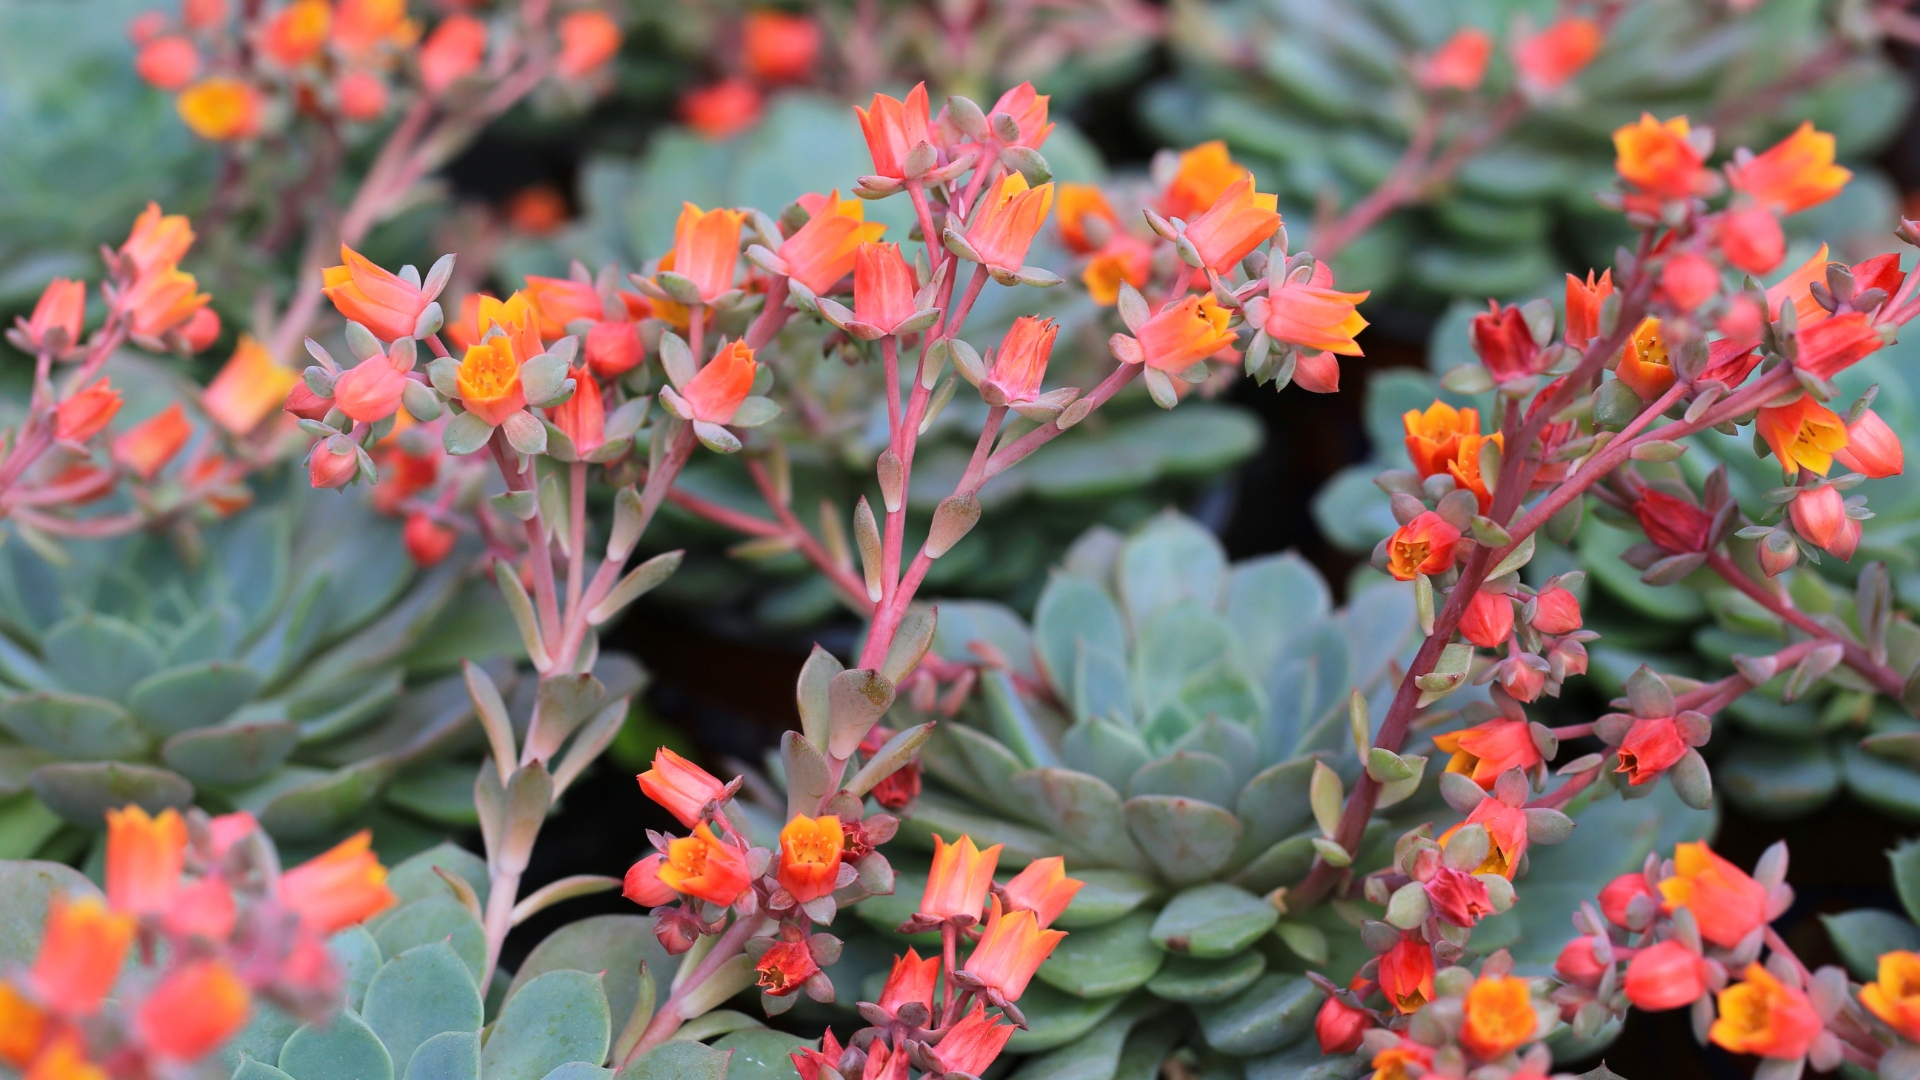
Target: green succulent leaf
(359,958)
(231,754)
(450,1055)
(342,1047)
(197,695)
(679,1060)
(414,879)
(1213,921)
(1056,1018)
(26,888)
(611,946)
(1105,895)
(1272,1013)
(760,1054)
(418,994)
(1207,982)
(100,655)
(435,919)
(1863,936)
(1084,811)
(557,1017)
(1106,960)
(267,1030)
(1189,773)
(251,1069)
(73,726)
(83,791)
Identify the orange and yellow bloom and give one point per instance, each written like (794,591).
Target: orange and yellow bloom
(1205,174)
(146,855)
(250,387)
(1007,222)
(1795,173)
(1433,436)
(1011,949)
(1424,545)
(61,308)
(821,253)
(810,850)
(703,867)
(883,287)
(1021,362)
(80,954)
(715,393)
(1830,346)
(383,302)
(1583,306)
(1549,59)
(680,786)
(1043,888)
(1313,315)
(706,248)
(1485,751)
(1765,1017)
(1894,996)
(1659,159)
(958,882)
(1726,903)
(893,128)
(83,415)
(489,381)
(786,967)
(1078,204)
(1645,367)
(145,448)
(157,240)
(220,109)
(340,887)
(162,300)
(1240,220)
(1185,333)
(1499,1016)
(1653,746)
(1803,435)
(560,301)
(1507,829)
(298,33)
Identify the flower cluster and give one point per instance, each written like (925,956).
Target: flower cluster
(237,75)
(217,925)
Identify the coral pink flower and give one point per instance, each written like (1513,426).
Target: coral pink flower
(680,786)
(883,287)
(643,885)
(305,404)
(162,300)
(785,967)
(198,1006)
(1485,751)
(706,248)
(1424,545)
(338,888)
(1406,974)
(1312,315)
(58,316)
(582,418)
(810,850)
(1240,220)
(362,95)
(1818,514)
(145,857)
(1619,893)
(1751,239)
(715,394)
(1830,346)
(557,302)
(1503,342)
(973,1043)
(1010,951)
(1007,222)
(157,240)
(83,415)
(80,954)
(1689,280)
(333,464)
(723,109)
(777,47)
(1184,333)
(821,253)
(204,909)
(588,39)
(1549,59)
(1460,64)
(1795,173)
(1665,976)
(452,52)
(369,391)
(613,348)
(1338,1027)
(1578,965)
(1029,112)
(359,25)
(251,385)
(1204,174)
(1726,903)
(910,980)
(1021,362)
(1506,826)
(1460,899)
(384,303)
(1043,888)
(1872,448)
(298,33)
(893,128)
(145,448)
(1650,749)
(1556,611)
(1766,1017)
(427,541)
(958,882)
(1583,306)
(1488,620)
(1658,159)
(168,62)
(702,866)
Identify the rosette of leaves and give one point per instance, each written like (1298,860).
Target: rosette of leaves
(1805,735)
(1120,468)
(1180,729)
(273,661)
(1316,97)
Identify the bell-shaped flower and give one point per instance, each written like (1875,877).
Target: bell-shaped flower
(1751,239)
(452,52)
(1652,746)
(893,128)
(383,302)
(810,850)
(1406,974)
(702,866)
(1666,975)
(57,317)
(820,254)
(1204,173)
(1660,159)
(1504,343)
(80,956)
(706,249)
(910,981)
(162,300)
(582,417)
(1872,448)
(1894,995)
(332,464)
(1556,611)
(1433,435)
(1818,514)
(1011,949)
(883,287)
(1795,173)
(957,883)
(370,391)
(1487,750)
(489,381)
(338,888)
(973,1042)
(1042,888)
(1029,112)
(1313,315)
(1506,829)
(1240,220)
(1689,279)
(1498,1016)
(145,858)
(785,967)
(613,348)
(643,886)
(1424,545)
(83,415)
(559,301)
(1551,58)
(1765,1017)
(1009,217)
(1645,367)
(251,385)
(1488,621)
(145,448)
(1673,524)
(192,1011)
(714,394)
(1619,895)
(1831,346)
(1583,306)
(680,786)
(157,240)
(1726,903)
(1183,334)
(1803,434)
(1578,965)
(1021,362)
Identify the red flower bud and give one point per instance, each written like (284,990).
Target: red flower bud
(1689,280)
(1339,1027)
(427,540)
(168,63)
(1619,893)
(1578,964)
(1556,611)
(1872,448)
(1488,620)
(1665,976)
(1751,239)
(613,348)
(643,885)
(331,468)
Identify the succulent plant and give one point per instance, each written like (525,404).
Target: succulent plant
(270,661)
(1786,753)
(1118,471)
(1317,97)
(1179,728)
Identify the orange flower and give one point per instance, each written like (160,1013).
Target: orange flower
(1499,1017)
(1650,749)
(706,247)
(452,52)
(1205,174)
(1029,112)
(200,331)
(1689,279)
(582,417)
(332,464)
(588,39)
(681,786)
(1339,1027)
(168,62)
(722,110)
(810,856)
(1006,224)
(359,25)
(489,381)
(958,882)
(1664,976)
(1548,59)
(1830,346)
(1583,306)
(1240,220)
(145,858)
(1078,204)
(1125,258)
(559,301)
(220,109)
(157,240)
(785,967)
(426,540)
(203,909)
(384,303)
(643,885)
(1465,466)
(883,287)
(1460,64)
(162,300)
(1043,888)
(1421,546)
(778,47)
(1658,159)
(1818,514)
(1556,611)
(1795,289)
(1872,448)
(1184,334)
(1011,949)
(1433,436)
(146,447)
(80,954)
(910,980)
(1487,622)
(1312,315)
(820,254)
(972,1043)
(83,415)
(299,32)
(1895,996)
(701,866)
(1406,974)
(1751,239)
(1803,435)
(1644,367)
(65,1059)
(198,1006)
(1507,828)
(251,385)
(338,888)
(1726,903)
(1485,751)
(1398,1062)
(1765,1017)
(715,394)
(1795,173)
(23,1026)
(1021,361)
(893,128)
(514,316)
(58,315)
(613,348)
